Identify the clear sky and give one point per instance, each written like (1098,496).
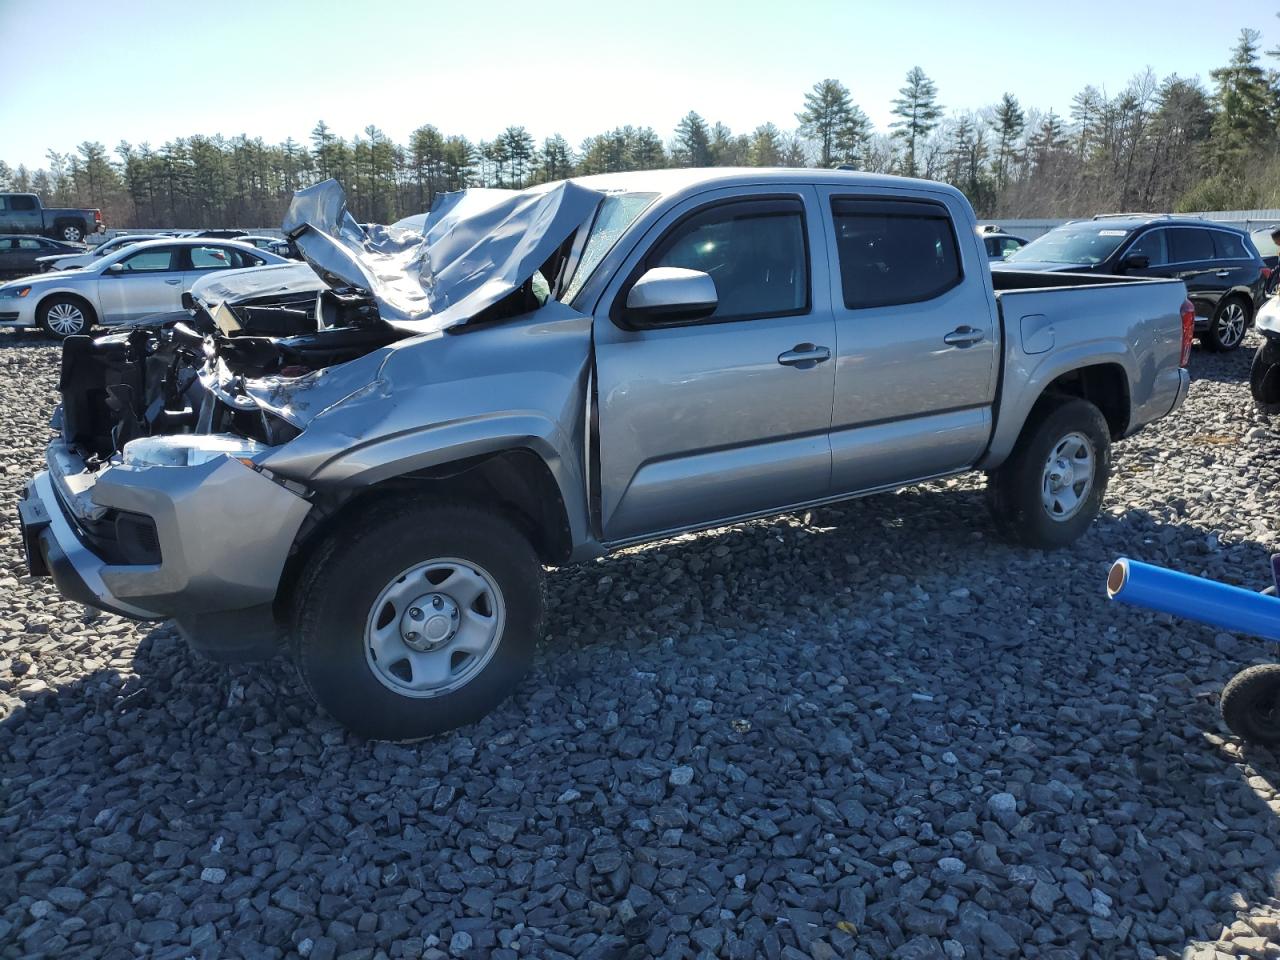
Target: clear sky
(151,70)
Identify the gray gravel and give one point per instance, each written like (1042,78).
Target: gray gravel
(869,732)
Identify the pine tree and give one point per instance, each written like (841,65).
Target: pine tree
(832,120)
(692,142)
(1010,122)
(918,112)
(1248,105)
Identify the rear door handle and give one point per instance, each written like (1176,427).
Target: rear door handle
(964,337)
(804,356)
(1224,273)
(173,283)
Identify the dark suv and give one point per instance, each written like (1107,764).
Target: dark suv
(1224,274)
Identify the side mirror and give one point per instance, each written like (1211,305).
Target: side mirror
(672,294)
(1135,261)
(115,268)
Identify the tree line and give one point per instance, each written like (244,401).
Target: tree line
(1159,144)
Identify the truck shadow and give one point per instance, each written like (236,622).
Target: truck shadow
(794,649)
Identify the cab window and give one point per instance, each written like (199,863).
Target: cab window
(754,250)
(894,252)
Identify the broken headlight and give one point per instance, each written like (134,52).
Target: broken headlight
(189,449)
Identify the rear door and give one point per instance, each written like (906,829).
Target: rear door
(1192,260)
(9,255)
(1237,264)
(214,256)
(916,339)
(148,281)
(719,418)
(21,214)
(27,249)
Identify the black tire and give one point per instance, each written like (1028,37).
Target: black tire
(70,232)
(1227,326)
(372,553)
(1015,491)
(1264,376)
(1251,704)
(57,317)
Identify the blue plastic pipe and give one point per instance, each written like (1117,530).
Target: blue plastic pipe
(1194,598)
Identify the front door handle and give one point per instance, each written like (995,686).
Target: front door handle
(173,283)
(964,337)
(804,356)
(1224,273)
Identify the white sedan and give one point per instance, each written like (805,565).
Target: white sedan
(134,282)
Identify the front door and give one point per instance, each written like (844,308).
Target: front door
(145,282)
(725,416)
(916,339)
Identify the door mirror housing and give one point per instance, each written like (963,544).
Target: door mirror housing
(115,269)
(671,295)
(1135,261)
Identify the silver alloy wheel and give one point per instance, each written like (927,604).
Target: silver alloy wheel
(65,319)
(1068,477)
(434,627)
(1231,324)
(72,234)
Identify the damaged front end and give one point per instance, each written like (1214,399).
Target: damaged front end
(188,462)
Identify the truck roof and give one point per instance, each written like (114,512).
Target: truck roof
(680,179)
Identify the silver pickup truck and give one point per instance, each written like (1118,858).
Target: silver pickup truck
(373,455)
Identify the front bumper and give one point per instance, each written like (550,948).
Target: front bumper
(223,530)
(18,311)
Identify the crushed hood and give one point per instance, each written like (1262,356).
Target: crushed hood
(473,249)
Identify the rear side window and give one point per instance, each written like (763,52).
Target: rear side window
(1228,246)
(754,250)
(894,252)
(1189,244)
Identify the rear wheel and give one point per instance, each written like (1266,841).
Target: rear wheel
(1049,490)
(71,232)
(62,317)
(1251,704)
(414,619)
(1226,328)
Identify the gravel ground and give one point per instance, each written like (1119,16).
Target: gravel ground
(869,732)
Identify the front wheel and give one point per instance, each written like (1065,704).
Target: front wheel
(1264,376)
(1050,489)
(1226,328)
(1251,704)
(415,619)
(62,317)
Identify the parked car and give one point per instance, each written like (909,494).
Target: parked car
(626,357)
(286,249)
(1264,241)
(20,255)
(145,278)
(1224,274)
(219,234)
(998,243)
(82,258)
(24,213)
(261,242)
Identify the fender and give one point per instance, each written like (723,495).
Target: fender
(1034,374)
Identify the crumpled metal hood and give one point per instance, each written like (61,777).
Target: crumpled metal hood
(250,283)
(475,247)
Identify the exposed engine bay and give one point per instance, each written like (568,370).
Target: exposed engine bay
(249,338)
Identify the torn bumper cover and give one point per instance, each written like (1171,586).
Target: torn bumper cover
(187,542)
(476,248)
